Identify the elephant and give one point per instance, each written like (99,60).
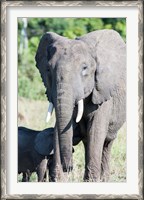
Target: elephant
(35,152)
(85,81)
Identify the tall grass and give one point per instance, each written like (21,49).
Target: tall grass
(32,114)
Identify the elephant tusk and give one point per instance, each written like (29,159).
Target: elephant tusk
(80,110)
(49,113)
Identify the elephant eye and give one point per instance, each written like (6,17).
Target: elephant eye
(84,70)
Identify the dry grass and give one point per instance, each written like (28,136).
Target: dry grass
(32,114)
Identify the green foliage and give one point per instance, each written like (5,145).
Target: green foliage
(29,81)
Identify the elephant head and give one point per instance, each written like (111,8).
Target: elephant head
(88,67)
(43,143)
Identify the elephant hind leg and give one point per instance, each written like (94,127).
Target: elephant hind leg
(105,169)
(26,176)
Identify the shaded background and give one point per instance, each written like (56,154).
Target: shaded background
(32,101)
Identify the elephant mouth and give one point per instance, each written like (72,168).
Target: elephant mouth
(80,105)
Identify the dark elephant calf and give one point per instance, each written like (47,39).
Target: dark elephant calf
(35,152)
(35,149)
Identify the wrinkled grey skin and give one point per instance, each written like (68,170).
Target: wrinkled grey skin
(35,152)
(92,68)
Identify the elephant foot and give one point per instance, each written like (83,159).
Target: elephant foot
(91,177)
(56,174)
(26,176)
(104,178)
(52,179)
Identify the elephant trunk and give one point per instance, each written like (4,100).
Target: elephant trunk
(64,112)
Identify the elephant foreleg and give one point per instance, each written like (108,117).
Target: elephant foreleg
(93,158)
(96,133)
(41,171)
(105,160)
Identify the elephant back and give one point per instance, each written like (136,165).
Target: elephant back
(26,139)
(44,142)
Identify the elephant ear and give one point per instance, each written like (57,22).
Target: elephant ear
(44,53)
(109,51)
(44,142)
